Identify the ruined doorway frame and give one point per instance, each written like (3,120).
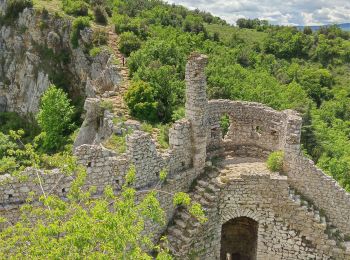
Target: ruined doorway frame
(248,228)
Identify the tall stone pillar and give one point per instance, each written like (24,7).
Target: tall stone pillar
(196,107)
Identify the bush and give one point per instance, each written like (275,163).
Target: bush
(129,42)
(275,161)
(101,15)
(13,121)
(140,100)
(76,7)
(79,24)
(163,136)
(55,118)
(100,37)
(14,8)
(95,51)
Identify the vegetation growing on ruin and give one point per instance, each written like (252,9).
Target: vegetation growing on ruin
(254,61)
(80,227)
(275,161)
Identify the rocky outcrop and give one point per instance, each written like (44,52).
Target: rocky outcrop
(36,51)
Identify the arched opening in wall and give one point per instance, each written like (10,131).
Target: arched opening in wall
(239,239)
(224,125)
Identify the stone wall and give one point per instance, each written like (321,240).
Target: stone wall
(251,125)
(320,188)
(285,229)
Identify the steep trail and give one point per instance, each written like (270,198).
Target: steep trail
(120,109)
(119,106)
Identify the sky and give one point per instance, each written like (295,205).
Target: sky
(287,12)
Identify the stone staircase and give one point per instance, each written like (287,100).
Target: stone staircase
(332,233)
(184,226)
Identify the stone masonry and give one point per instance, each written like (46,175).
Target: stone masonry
(303,214)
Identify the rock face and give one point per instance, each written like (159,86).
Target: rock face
(36,51)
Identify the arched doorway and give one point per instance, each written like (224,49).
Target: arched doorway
(239,238)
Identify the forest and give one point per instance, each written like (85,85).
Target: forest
(279,66)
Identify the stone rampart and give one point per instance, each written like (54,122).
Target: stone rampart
(251,125)
(320,188)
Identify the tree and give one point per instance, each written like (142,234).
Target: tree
(55,117)
(141,101)
(129,42)
(307,30)
(79,227)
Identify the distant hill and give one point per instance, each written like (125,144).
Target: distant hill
(343,26)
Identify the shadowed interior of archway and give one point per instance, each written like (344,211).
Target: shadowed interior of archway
(239,239)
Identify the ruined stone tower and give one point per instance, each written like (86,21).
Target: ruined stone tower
(196,106)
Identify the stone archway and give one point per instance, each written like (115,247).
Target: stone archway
(239,238)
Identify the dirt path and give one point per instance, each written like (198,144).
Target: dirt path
(119,106)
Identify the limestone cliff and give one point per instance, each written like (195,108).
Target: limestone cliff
(36,51)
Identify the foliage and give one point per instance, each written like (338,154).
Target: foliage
(55,118)
(13,121)
(107,105)
(224,124)
(287,42)
(14,8)
(80,227)
(116,143)
(15,155)
(163,136)
(275,161)
(76,7)
(100,14)
(95,51)
(141,101)
(100,37)
(129,43)
(257,24)
(78,24)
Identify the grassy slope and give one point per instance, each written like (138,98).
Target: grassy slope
(227,32)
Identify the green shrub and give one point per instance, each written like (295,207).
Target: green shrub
(141,103)
(95,51)
(79,24)
(224,124)
(5,144)
(13,121)
(275,161)
(100,37)
(100,14)
(76,7)
(163,136)
(107,105)
(55,118)
(146,127)
(14,8)
(129,42)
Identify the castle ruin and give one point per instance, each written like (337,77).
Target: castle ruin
(252,212)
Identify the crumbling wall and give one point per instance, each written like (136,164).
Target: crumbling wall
(320,188)
(251,125)
(285,229)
